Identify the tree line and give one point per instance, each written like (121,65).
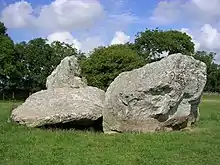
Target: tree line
(25,66)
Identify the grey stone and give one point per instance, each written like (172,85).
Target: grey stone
(61,105)
(163,95)
(66,74)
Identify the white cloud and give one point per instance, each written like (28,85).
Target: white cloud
(17,15)
(85,44)
(59,15)
(193,11)
(70,15)
(202,18)
(208,6)
(187,31)
(210,37)
(120,38)
(89,19)
(166,12)
(206,38)
(89,43)
(65,37)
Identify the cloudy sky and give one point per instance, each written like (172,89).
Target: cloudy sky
(90,23)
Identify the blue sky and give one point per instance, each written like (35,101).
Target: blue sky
(91,23)
(141,9)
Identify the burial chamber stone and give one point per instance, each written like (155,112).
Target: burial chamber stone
(162,95)
(66,74)
(82,107)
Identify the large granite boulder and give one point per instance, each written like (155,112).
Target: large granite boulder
(163,95)
(75,106)
(66,74)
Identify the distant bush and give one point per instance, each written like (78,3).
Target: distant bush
(106,63)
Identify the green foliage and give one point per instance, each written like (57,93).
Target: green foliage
(213,70)
(63,50)
(34,56)
(106,63)
(6,54)
(39,59)
(26,65)
(60,51)
(151,43)
(7,58)
(3,29)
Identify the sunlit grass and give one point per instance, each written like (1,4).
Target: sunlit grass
(24,146)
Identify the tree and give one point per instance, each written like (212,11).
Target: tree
(60,51)
(213,70)
(7,58)
(106,63)
(3,29)
(38,59)
(152,43)
(36,56)
(23,75)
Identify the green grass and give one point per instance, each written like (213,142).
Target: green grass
(24,146)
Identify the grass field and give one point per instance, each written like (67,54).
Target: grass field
(23,146)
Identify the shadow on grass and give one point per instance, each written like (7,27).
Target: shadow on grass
(88,125)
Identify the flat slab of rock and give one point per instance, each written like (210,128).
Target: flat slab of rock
(82,106)
(66,74)
(163,95)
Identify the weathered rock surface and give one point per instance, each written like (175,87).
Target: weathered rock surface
(66,74)
(163,95)
(78,106)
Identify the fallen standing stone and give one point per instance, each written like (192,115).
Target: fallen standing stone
(162,95)
(81,107)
